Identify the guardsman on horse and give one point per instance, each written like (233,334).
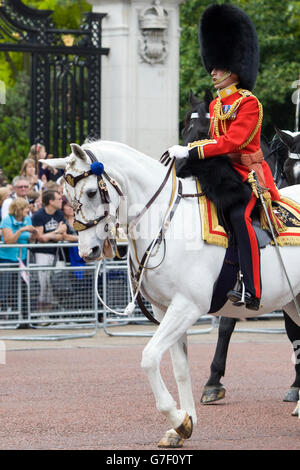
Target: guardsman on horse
(229,50)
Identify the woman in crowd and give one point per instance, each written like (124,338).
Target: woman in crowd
(16,228)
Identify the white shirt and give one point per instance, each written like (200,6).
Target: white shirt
(6,203)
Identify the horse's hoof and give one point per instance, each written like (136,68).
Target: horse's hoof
(296,411)
(292,394)
(186,428)
(171,440)
(212,393)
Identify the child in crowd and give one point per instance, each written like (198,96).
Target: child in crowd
(28,169)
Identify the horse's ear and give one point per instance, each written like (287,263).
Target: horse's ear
(78,152)
(193,99)
(287,139)
(55,162)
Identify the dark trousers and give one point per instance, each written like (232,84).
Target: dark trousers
(248,248)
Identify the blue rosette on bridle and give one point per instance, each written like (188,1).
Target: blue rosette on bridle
(97,168)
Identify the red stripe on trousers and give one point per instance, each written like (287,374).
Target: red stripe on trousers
(254,246)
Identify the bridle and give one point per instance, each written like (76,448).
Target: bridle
(136,276)
(98,170)
(191,122)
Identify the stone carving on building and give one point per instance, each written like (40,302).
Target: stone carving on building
(153,22)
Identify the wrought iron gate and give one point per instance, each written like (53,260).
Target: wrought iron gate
(65,73)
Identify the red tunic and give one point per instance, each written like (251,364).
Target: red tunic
(238,130)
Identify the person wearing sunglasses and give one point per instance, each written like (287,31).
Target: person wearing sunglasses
(21,187)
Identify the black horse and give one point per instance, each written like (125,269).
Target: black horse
(276,153)
(290,155)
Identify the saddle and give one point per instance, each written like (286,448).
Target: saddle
(286,211)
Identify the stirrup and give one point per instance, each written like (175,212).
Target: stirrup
(239,291)
(240,287)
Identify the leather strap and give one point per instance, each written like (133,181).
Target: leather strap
(150,202)
(136,276)
(193,195)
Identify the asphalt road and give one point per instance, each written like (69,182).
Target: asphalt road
(91,394)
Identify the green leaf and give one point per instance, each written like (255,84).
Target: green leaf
(278,29)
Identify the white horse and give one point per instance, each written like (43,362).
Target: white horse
(180,286)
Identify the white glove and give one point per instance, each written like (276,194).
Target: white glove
(178,151)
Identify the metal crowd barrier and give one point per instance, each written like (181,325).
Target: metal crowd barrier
(72,301)
(71,298)
(278,314)
(116,295)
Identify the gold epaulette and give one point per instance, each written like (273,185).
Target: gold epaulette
(245,93)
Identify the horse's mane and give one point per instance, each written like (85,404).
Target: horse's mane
(99,146)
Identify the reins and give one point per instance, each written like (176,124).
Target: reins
(105,199)
(150,202)
(135,275)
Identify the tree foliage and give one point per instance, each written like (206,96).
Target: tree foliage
(278,29)
(14,72)
(14,126)
(66,13)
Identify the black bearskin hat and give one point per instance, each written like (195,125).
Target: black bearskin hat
(228,41)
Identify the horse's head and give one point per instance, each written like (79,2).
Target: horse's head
(291,140)
(94,197)
(196,122)
(291,165)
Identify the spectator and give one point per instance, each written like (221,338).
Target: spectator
(28,170)
(20,189)
(69,217)
(51,186)
(16,228)
(52,227)
(72,251)
(3,180)
(61,183)
(81,280)
(38,152)
(35,201)
(4,193)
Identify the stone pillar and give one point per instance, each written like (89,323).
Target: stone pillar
(140,76)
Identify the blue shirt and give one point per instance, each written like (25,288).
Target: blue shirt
(12,254)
